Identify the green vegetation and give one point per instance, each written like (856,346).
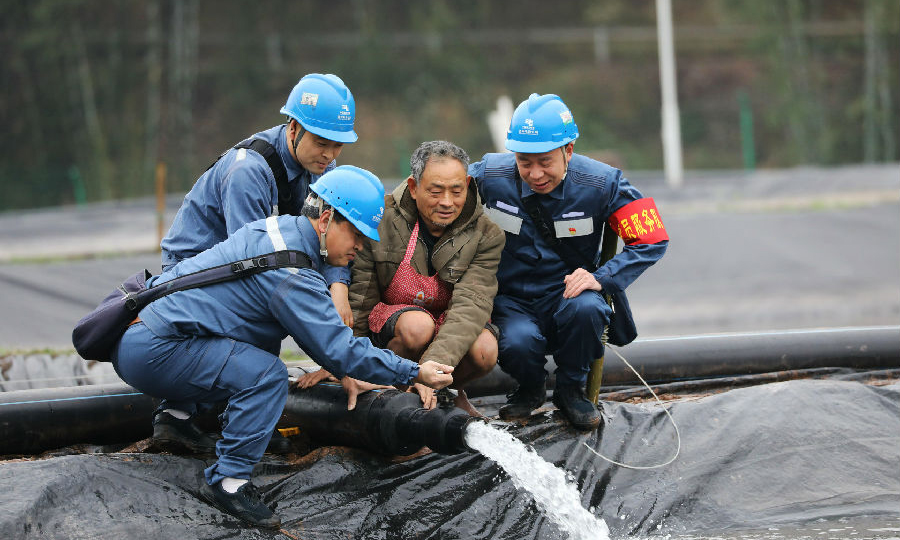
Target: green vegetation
(47,259)
(96,93)
(6,352)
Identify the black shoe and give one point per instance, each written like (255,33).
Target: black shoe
(576,407)
(279,444)
(522,401)
(174,434)
(245,505)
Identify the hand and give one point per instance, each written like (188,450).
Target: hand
(579,281)
(354,387)
(311,379)
(429,400)
(434,375)
(340,295)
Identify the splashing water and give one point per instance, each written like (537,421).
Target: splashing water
(554,495)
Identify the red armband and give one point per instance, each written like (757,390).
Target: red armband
(638,222)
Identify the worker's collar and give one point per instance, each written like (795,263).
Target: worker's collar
(557,193)
(293,169)
(310,240)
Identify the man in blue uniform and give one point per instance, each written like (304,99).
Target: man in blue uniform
(553,204)
(221,342)
(243,186)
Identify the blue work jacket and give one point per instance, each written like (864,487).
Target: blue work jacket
(264,308)
(239,188)
(579,207)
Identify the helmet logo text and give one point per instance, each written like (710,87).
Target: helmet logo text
(344,114)
(528,128)
(309,98)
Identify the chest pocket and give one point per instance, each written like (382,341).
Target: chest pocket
(519,235)
(380,254)
(508,222)
(580,234)
(453,274)
(569,228)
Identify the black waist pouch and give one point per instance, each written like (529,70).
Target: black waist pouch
(621,330)
(97,333)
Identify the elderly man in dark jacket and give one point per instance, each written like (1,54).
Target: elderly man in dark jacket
(426,290)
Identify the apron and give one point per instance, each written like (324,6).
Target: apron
(409,289)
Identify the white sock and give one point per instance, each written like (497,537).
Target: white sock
(231,485)
(179,414)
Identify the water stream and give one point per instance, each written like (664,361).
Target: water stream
(554,494)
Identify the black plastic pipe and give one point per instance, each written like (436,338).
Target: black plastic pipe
(666,360)
(384,421)
(33,421)
(721,355)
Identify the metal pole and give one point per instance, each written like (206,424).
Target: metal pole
(671,126)
(160,201)
(746,121)
(595,379)
(608,247)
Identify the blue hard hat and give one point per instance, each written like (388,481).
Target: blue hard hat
(540,124)
(323,105)
(356,193)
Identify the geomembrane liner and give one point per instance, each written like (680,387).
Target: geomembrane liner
(766,461)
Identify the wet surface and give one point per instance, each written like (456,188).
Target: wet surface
(796,459)
(861,527)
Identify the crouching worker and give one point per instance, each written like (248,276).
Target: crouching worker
(221,342)
(426,290)
(553,204)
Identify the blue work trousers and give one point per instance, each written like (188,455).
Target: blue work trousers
(253,382)
(567,328)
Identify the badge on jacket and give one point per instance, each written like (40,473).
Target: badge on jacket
(507,222)
(573,227)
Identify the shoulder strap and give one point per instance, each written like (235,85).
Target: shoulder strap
(573,258)
(285,203)
(219,274)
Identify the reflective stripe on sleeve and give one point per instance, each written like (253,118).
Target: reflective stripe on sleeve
(276,238)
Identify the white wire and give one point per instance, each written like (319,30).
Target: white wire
(665,410)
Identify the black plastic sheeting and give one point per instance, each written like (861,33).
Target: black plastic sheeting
(751,459)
